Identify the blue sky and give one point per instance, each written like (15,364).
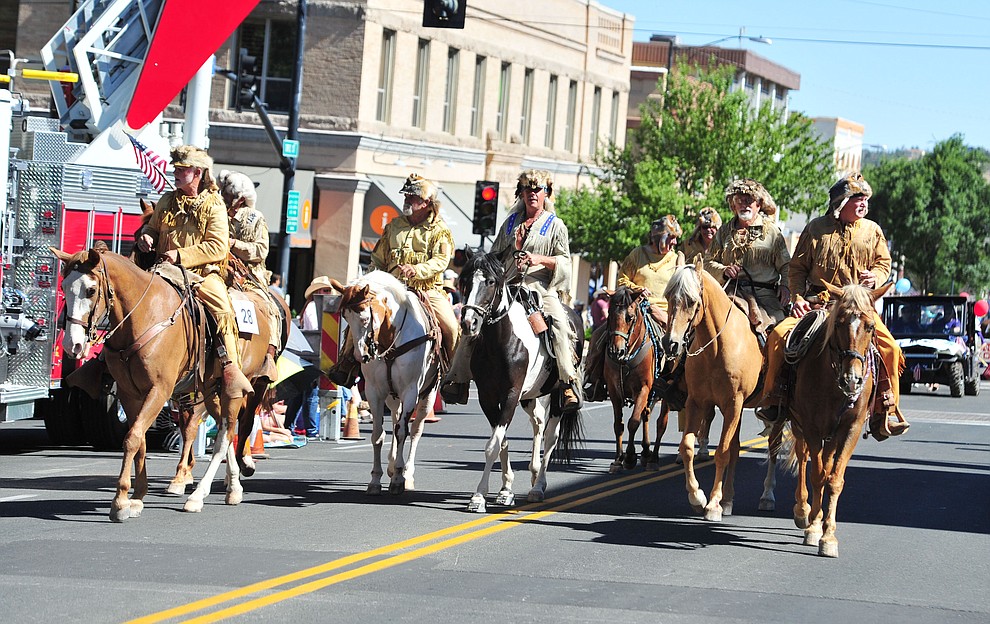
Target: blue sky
(934,83)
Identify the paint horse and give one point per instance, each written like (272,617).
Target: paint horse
(511,366)
(154,349)
(633,357)
(833,390)
(397,343)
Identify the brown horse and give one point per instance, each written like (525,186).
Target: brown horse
(834,387)
(631,361)
(154,350)
(722,360)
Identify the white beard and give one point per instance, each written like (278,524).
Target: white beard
(407,211)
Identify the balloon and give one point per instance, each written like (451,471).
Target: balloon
(964,294)
(981,307)
(903,285)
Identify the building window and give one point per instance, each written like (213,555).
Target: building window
(386,71)
(450,92)
(478,97)
(596,115)
(502,117)
(551,112)
(527,105)
(571,116)
(422,78)
(274,45)
(613,123)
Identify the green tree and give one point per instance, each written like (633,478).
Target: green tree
(687,149)
(935,211)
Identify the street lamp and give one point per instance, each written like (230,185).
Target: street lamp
(740,37)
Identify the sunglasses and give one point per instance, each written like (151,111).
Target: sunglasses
(535,189)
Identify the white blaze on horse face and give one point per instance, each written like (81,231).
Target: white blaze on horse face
(360,322)
(78,289)
(471,320)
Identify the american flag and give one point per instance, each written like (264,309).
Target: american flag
(151,164)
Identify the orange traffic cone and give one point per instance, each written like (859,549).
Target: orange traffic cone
(351,429)
(258,441)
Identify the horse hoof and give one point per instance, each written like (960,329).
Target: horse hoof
(477,504)
(234,498)
(374,489)
(629,465)
(615,468)
(248,469)
(505,498)
(396,488)
(714,514)
(727,508)
(767,504)
(828,549)
(136,508)
(176,489)
(193,506)
(410,485)
(679,460)
(698,501)
(119,515)
(535,496)
(801,522)
(653,466)
(812,538)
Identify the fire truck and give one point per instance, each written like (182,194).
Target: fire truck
(67,182)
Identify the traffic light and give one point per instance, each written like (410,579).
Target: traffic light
(444,13)
(485,207)
(246,80)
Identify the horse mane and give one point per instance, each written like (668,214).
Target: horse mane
(855,300)
(484,262)
(83,260)
(378,282)
(684,284)
(623,297)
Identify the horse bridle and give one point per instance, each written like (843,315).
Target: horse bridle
(629,357)
(852,354)
(104,291)
(496,302)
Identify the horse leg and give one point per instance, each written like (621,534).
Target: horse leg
(635,420)
(705,433)
(422,411)
(194,503)
(723,457)
(189,425)
(492,450)
(619,429)
(799,459)
(235,491)
(663,418)
(813,534)
(377,440)
(396,459)
(548,432)
(696,497)
(767,500)
(122,507)
(829,544)
(729,481)
(537,411)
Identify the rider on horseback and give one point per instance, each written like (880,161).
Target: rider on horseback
(189,227)
(534,248)
(415,247)
(647,268)
(750,250)
(700,241)
(839,248)
(249,243)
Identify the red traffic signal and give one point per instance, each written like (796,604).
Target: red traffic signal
(485,207)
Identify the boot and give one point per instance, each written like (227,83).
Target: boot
(884,407)
(344,373)
(235,384)
(88,377)
(268,369)
(777,403)
(455,392)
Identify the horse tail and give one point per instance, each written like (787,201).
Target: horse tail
(569,437)
(787,446)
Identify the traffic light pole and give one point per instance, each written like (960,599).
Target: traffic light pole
(288,165)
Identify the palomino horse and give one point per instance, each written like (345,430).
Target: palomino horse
(632,358)
(722,360)
(833,390)
(396,341)
(511,366)
(152,350)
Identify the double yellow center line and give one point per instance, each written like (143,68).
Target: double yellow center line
(416,547)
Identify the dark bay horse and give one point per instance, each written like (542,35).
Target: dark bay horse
(722,362)
(632,358)
(511,366)
(153,350)
(834,388)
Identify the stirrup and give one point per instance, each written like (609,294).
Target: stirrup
(455,392)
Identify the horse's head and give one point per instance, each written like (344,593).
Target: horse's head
(684,308)
(849,332)
(480,283)
(366,314)
(623,317)
(87,299)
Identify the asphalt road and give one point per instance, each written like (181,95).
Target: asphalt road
(307,544)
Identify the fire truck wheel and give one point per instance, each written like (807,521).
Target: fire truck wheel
(105,423)
(62,421)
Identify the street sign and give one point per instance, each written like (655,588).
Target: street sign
(290,148)
(291,225)
(292,210)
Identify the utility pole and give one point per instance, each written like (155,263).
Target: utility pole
(289,164)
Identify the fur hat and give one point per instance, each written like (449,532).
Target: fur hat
(236,185)
(709,217)
(421,187)
(191,156)
(535,178)
(319,282)
(747,186)
(668,225)
(847,186)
